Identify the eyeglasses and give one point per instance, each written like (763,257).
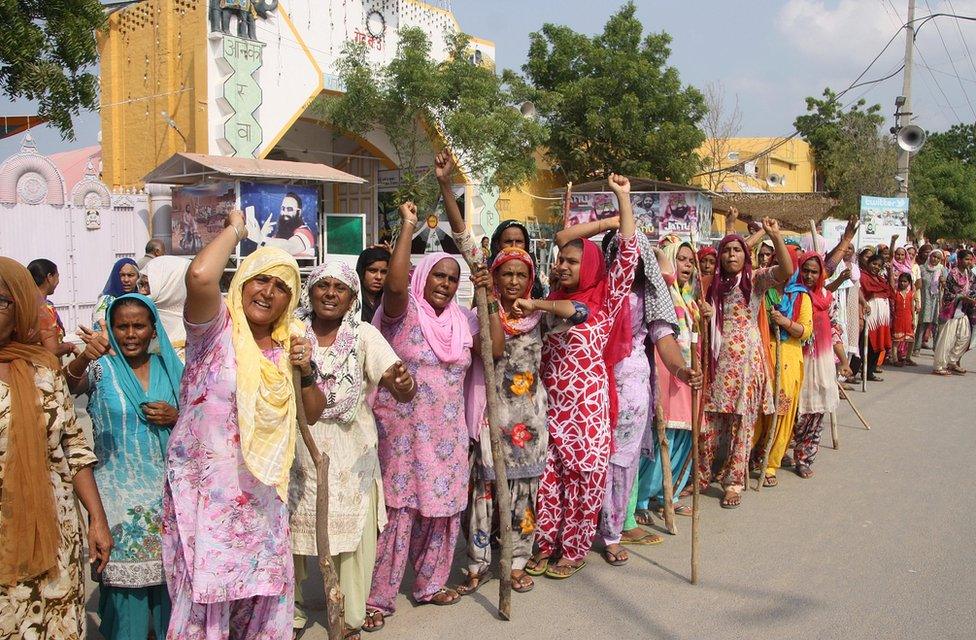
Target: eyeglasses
(5,303)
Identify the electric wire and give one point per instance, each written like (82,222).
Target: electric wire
(945,46)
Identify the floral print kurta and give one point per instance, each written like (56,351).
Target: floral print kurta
(53,606)
(225,534)
(521,410)
(634,397)
(423,444)
(741,382)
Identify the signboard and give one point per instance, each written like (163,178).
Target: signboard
(882,218)
(286,215)
(242,93)
(658,213)
(198,215)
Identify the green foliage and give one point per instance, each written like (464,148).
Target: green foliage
(943,187)
(611,101)
(852,155)
(45,50)
(413,96)
(958,142)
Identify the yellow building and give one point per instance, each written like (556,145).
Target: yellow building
(757,165)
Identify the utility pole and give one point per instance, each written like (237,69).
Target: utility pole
(903,104)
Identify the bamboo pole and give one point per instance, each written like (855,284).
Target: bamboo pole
(864,359)
(854,409)
(695,472)
(334,600)
(665,451)
(774,427)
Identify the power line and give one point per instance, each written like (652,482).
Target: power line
(963,38)
(937,84)
(938,30)
(946,73)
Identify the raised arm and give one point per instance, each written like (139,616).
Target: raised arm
(203,276)
(397,287)
(444,168)
(586,230)
(784,267)
(620,186)
(850,231)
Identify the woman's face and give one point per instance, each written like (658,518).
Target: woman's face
(684,265)
(511,280)
(810,273)
(264,298)
(375,276)
(900,255)
(874,265)
(567,268)
(733,258)
(133,329)
(442,283)
(331,298)
(708,265)
(143,286)
(911,253)
(513,237)
(849,252)
(129,276)
(863,257)
(7,316)
(764,256)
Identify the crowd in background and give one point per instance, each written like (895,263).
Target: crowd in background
(201,495)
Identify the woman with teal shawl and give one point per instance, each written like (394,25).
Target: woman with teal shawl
(133,392)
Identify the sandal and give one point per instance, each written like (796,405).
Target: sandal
(572,569)
(351,634)
(956,370)
(644,517)
(731,500)
(687,491)
(679,510)
(523,582)
(770,481)
(804,471)
(376,619)
(616,559)
(644,538)
(939,372)
(478,579)
(448,597)
(540,565)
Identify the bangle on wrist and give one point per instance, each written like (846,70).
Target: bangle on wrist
(309,380)
(492,307)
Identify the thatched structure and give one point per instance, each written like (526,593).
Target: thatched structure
(793,210)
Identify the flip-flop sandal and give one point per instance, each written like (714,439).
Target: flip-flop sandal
(770,481)
(562,576)
(613,559)
(541,566)
(644,517)
(958,372)
(371,616)
(443,603)
(351,634)
(725,504)
(482,578)
(523,584)
(683,510)
(804,471)
(939,372)
(644,541)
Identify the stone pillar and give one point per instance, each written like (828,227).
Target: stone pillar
(161,213)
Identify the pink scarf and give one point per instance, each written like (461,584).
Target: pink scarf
(448,334)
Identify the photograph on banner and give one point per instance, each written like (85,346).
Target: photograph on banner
(198,215)
(882,218)
(657,213)
(283,216)
(433,232)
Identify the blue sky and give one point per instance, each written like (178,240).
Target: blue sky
(768,54)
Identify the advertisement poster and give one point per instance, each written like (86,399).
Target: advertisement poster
(198,215)
(284,216)
(882,218)
(658,213)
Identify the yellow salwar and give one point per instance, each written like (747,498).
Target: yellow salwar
(791,379)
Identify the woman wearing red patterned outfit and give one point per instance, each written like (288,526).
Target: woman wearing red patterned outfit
(577,368)
(741,388)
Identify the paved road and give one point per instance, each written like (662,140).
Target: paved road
(879,544)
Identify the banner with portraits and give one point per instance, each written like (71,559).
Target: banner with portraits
(284,216)
(882,218)
(658,213)
(198,215)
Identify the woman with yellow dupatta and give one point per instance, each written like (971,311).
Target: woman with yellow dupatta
(226,547)
(44,459)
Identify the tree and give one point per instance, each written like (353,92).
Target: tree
(721,124)
(44,53)
(958,142)
(943,188)
(851,153)
(611,102)
(465,103)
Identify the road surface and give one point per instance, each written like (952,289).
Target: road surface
(878,544)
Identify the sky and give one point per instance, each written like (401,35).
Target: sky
(768,55)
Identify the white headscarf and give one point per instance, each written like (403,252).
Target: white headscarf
(167,290)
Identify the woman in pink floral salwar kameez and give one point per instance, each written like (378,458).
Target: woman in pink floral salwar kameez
(226,540)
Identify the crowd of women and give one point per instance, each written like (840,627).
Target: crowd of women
(201,497)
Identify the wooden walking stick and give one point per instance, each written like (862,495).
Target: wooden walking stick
(864,359)
(334,601)
(668,482)
(774,427)
(854,409)
(695,472)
